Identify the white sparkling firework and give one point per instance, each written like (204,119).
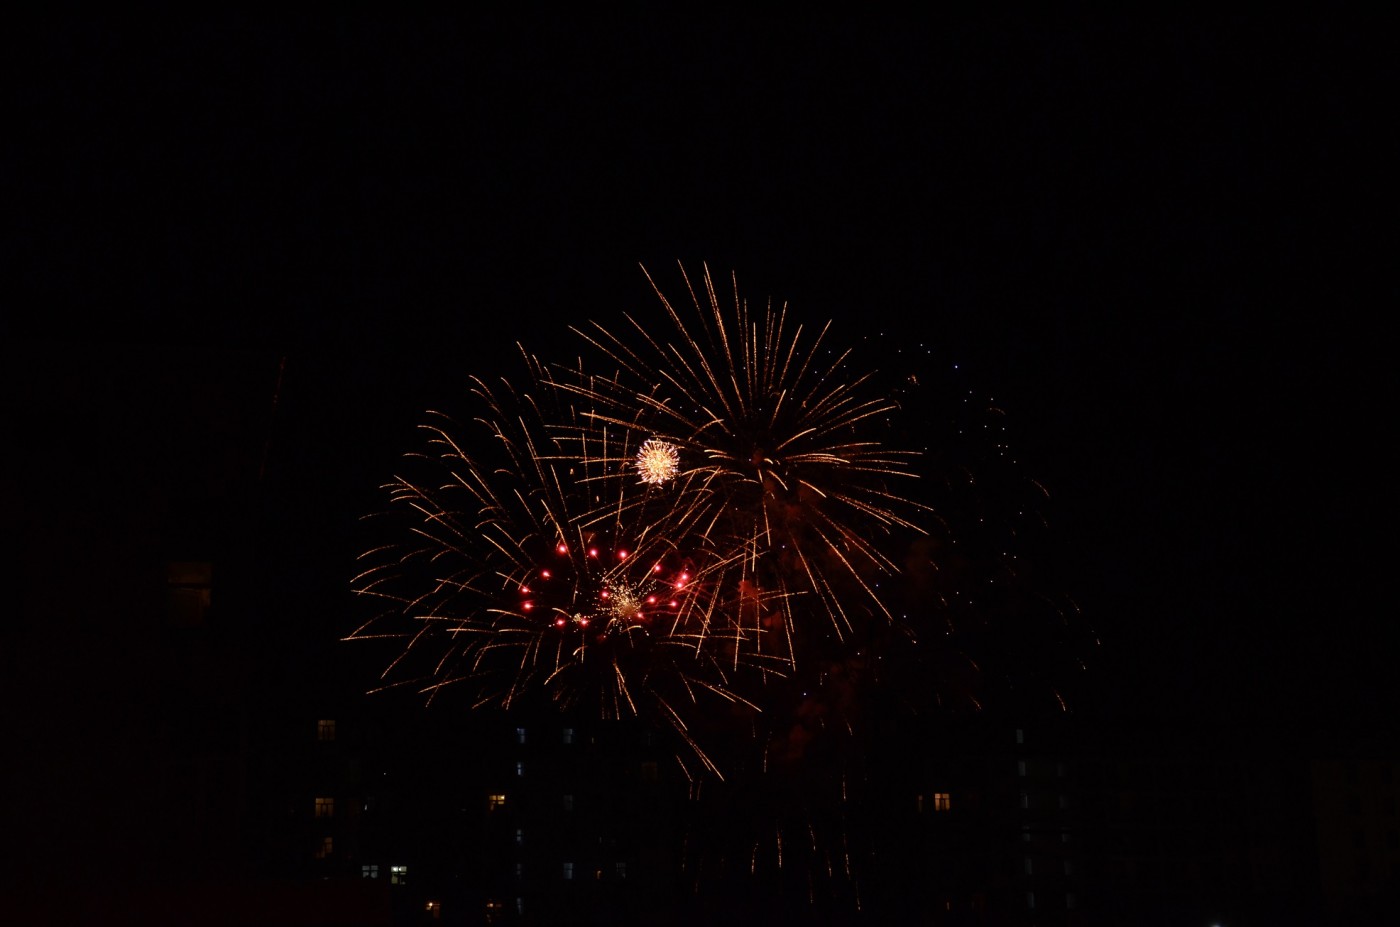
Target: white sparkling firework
(658,461)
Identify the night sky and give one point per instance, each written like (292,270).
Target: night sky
(1156,243)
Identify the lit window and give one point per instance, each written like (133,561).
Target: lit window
(434,909)
(942,801)
(519,905)
(520,836)
(568,803)
(326,848)
(520,767)
(495,802)
(568,735)
(189,586)
(369,871)
(325,807)
(519,872)
(520,735)
(494,910)
(568,870)
(398,875)
(621,869)
(325,729)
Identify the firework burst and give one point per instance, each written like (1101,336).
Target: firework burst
(658,461)
(512,578)
(704,523)
(770,446)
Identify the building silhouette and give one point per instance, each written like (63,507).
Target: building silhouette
(192,744)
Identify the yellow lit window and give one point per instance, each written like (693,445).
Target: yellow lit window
(495,802)
(942,801)
(325,807)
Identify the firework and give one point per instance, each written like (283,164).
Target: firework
(770,443)
(706,522)
(511,578)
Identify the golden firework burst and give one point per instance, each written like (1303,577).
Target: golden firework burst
(658,461)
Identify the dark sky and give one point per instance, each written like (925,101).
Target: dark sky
(1156,243)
